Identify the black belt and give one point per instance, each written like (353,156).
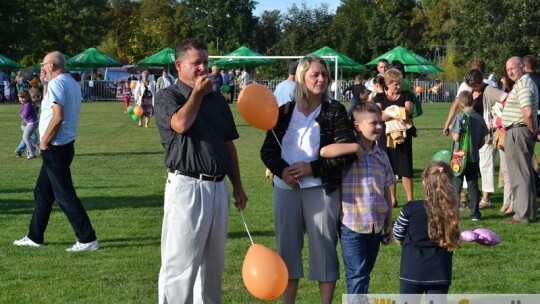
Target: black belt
(515,126)
(201,176)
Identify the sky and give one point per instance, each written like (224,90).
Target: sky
(283,5)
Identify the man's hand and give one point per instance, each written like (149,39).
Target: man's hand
(240,198)
(43,76)
(43,146)
(203,86)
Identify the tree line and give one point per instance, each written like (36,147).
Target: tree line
(451,32)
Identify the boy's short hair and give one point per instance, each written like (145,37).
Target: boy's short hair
(465,99)
(365,107)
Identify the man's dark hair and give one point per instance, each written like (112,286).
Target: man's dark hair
(479,64)
(474,77)
(398,65)
(531,62)
(188,44)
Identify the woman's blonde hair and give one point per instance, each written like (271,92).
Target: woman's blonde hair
(442,205)
(300,90)
(392,76)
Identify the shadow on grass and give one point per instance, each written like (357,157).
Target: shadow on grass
(18,206)
(119,153)
(255,233)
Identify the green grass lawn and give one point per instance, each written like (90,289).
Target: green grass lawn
(119,175)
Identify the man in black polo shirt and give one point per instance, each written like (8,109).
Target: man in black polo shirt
(197,131)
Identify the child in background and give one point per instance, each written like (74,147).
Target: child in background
(477,132)
(366,204)
(127,95)
(428,232)
(29,125)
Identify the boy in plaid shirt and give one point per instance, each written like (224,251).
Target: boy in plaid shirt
(366,204)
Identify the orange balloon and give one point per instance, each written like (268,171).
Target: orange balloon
(258,105)
(419,90)
(138,110)
(133,84)
(264,272)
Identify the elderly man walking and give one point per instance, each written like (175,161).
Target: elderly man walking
(519,120)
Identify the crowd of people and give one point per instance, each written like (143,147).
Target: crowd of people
(334,172)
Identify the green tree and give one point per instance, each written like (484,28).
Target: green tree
(393,23)
(34,28)
(305,30)
(349,29)
(227,23)
(268,31)
(502,29)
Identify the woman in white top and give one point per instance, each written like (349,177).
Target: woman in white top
(307,196)
(144,97)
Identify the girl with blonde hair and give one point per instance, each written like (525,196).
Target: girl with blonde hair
(428,231)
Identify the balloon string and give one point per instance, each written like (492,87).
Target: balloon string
(277,139)
(299,182)
(245,225)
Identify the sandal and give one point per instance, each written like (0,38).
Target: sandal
(504,208)
(395,204)
(483,204)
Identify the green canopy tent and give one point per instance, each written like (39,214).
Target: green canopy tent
(233,59)
(93,58)
(345,63)
(163,58)
(412,62)
(6,63)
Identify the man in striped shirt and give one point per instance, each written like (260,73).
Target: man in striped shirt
(519,120)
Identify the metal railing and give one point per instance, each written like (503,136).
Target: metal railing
(106,90)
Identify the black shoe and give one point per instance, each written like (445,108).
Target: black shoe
(19,155)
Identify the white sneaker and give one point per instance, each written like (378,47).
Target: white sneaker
(25,241)
(80,247)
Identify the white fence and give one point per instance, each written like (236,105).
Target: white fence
(106,90)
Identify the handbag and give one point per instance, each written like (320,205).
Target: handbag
(498,139)
(417,106)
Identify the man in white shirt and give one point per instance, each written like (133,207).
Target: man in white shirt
(487,152)
(285,90)
(382,66)
(164,81)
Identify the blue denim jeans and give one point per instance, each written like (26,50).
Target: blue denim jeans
(22,144)
(55,184)
(359,255)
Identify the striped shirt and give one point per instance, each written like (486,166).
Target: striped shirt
(364,207)
(524,94)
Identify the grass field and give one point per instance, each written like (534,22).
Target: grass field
(119,175)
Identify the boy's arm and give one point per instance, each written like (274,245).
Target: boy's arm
(338,150)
